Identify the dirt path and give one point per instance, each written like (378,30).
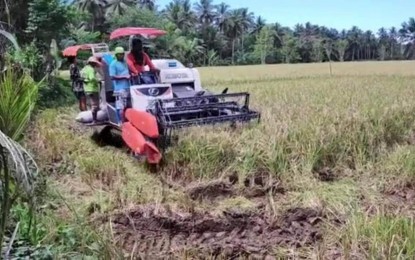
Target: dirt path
(160,233)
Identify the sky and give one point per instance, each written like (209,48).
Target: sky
(339,14)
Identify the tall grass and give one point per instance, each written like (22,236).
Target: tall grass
(354,125)
(380,237)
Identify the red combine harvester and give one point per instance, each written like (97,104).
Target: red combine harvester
(161,104)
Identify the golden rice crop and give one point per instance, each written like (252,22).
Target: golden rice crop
(356,124)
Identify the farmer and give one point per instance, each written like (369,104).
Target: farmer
(77,83)
(91,85)
(121,81)
(108,83)
(99,71)
(137,59)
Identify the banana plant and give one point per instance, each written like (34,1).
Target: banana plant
(54,52)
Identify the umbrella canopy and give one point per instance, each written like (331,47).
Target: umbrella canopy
(73,50)
(149,33)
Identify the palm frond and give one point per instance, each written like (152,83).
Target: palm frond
(11,38)
(20,163)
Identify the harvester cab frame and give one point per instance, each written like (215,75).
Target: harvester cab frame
(97,49)
(173,100)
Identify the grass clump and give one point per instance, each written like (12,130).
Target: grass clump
(379,237)
(398,167)
(204,155)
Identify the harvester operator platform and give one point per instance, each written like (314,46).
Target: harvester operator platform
(137,59)
(125,70)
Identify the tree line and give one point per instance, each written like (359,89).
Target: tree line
(204,32)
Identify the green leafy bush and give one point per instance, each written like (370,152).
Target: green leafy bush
(55,93)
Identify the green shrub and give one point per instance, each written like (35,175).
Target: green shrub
(55,93)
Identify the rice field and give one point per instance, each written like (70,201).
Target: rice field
(328,173)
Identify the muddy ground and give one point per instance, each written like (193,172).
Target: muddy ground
(400,201)
(159,233)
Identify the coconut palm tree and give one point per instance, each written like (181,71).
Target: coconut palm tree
(247,20)
(212,38)
(393,36)
(118,7)
(149,4)
(222,15)
(258,25)
(341,47)
(370,45)
(205,10)
(179,12)
(280,32)
(95,7)
(354,38)
(383,35)
(173,12)
(407,36)
(234,29)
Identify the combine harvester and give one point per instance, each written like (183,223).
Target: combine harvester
(174,99)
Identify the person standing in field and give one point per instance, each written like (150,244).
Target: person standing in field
(120,75)
(91,85)
(99,71)
(100,74)
(77,84)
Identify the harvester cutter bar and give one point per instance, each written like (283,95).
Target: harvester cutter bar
(199,98)
(186,107)
(212,120)
(190,111)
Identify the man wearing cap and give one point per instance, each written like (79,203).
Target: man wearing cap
(91,85)
(120,75)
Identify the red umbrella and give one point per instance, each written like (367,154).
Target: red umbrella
(73,50)
(150,33)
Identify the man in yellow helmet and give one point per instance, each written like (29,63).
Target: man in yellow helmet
(91,85)
(120,75)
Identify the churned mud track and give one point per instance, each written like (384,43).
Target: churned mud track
(394,200)
(400,200)
(158,233)
(257,185)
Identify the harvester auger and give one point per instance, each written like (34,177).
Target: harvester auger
(162,104)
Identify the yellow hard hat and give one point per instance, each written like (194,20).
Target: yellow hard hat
(119,50)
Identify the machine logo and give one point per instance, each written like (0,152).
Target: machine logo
(176,76)
(153,91)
